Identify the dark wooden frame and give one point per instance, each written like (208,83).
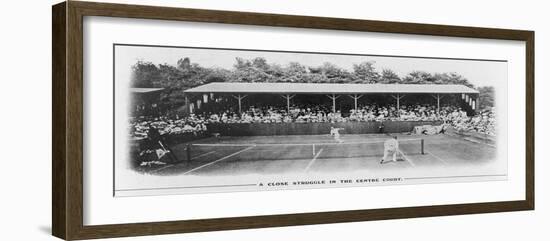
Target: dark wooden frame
(67,158)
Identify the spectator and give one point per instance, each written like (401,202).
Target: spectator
(484,122)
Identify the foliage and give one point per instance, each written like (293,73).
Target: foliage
(389,77)
(145,74)
(365,73)
(185,74)
(486,97)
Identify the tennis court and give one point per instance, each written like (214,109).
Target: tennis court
(319,153)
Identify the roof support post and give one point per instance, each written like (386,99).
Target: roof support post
(477,103)
(333,97)
(398,97)
(438,97)
(355,97)
(187,109)
(288,97)
(470,101)
(239,97)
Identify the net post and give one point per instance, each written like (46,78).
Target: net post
(422,146)
(313,145)
(188,152)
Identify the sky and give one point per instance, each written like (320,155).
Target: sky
(479,73)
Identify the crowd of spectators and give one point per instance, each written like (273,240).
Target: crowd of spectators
(195,124)
(484,122)
(191,125)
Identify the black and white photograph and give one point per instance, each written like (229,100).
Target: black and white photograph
(221,120)
(271,120)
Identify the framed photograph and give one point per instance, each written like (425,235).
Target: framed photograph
(171,120)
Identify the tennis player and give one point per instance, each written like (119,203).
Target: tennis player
(157,140)
(335,132)
(391,147)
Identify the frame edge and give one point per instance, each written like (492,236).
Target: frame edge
(67,190)
(294,21)
(530,119)
(59,178)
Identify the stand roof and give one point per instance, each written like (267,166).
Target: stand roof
(325,88)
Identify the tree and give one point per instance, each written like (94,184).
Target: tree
(457,79)
(486,97)
(276,73)
(184,64)
(333,74)
(241,63)
(296,68)
(260,64)
(217,75)
(389,77)
(250,71)
(293,72)
(418,77)
(365,73)
(451,78)
(145,75)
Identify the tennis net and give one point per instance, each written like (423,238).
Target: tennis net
(290,151)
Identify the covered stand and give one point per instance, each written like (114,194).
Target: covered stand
(333,91)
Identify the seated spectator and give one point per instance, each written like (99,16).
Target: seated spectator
(484,122)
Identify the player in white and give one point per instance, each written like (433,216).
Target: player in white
(335,132)
(391,147)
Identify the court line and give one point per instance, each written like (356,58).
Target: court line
(491,145)
(407,158)
(221,159)
(479,142)
(438,158)
(204,154)
(171,165)
(302,144)
(471,140)
(313,160)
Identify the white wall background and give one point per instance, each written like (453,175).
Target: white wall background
(25,122)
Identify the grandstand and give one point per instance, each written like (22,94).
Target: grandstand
(196,97)
(281,127)
(145,100)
